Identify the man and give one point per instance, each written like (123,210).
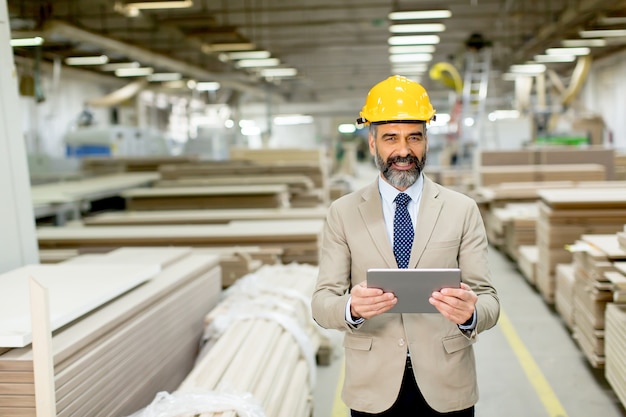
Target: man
(404,364)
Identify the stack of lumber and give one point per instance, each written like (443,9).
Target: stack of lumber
(315,171)
(618,279)
(490,175)
(565,215)
(527,259)
(511,226)
(615,367)
(565,293)
(214,216)
(298,239)
(115,357)
(260,346)
(295,183)
(620,166)
(209,197)
(116,164)
(593,291)
(552,155)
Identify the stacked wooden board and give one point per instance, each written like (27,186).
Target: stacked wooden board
(260,343)
(490,175)
(114,359)
(592,291)
(207,197)
(215,216)
(528,257)
(299,239)
(615,367)
(116,164)
(512,226)
(315,171)
(564,294)
(565,215)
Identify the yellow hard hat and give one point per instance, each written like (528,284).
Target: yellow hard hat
(396,99)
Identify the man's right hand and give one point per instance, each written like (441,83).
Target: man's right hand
(369,302)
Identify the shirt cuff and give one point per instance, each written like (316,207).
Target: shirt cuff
(349,318)
(469,325)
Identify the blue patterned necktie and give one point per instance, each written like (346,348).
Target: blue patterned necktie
(402,231)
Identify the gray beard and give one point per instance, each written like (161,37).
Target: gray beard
(400,179)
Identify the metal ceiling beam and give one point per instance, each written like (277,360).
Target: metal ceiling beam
(59,28)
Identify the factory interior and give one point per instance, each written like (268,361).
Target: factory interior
(168,169)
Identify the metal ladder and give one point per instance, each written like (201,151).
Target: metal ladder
(475,83)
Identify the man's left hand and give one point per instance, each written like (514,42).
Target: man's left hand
(455,304)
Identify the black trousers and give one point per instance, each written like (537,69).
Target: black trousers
(411,402)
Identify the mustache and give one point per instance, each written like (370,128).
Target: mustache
(403,159)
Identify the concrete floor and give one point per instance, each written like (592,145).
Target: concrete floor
(528,365)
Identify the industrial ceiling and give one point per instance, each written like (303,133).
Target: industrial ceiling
(339,48)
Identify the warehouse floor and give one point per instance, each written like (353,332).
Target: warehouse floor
(529,365)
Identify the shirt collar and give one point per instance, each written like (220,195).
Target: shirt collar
(388,192)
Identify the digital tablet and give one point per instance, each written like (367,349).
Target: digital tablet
(413,287)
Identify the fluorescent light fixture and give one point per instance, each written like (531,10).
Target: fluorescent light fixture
(575,43)
(418,28)
(133,72)
(251,131)
(394,59)
(409,69)
(608,33)
(530,69)
(36,41)
(278,72)
(412,49)
(87,60)
(254,63)
(118,65)
(165,76)
(151,5)
(420,14)
(555,58)
(227,47)
(346,128)
(503,114)
(208,86)
(293,119)
(248,55)
(413,40)
(568,51)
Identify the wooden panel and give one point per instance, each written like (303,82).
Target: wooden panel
(74,291)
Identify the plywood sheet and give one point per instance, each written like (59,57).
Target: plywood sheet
(74,290)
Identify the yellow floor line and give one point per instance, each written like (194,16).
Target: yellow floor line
(533,373)
(339,408)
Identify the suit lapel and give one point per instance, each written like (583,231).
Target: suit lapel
(430,207)
(371,212)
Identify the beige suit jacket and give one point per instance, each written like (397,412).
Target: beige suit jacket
(449,233)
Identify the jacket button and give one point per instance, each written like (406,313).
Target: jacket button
(401,342)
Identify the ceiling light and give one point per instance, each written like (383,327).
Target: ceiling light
(503,114)
(410,58)
(118,65)
(87,60)
(133,72)
(410,68)
(278,72)
(531,69)
(418,28)
(346,128)
(555,58)
(208,86)
(248,55)
(602,33)
(575,43)
(36,41)
(293,119)
(151,5)
(226,47)
(414,40)
(253,63)
(420,14)
(568,51)
(165,76)
(412,49)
